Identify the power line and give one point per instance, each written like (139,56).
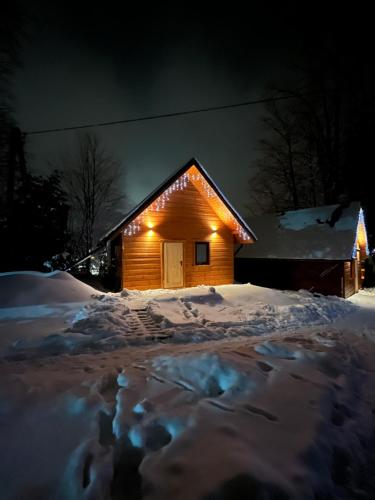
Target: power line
(164,115)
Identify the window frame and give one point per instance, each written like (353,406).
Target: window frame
(207,245)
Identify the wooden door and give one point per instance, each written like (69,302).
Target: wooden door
(173,263)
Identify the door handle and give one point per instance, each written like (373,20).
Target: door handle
(181,262)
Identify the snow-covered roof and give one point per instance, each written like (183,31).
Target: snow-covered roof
(328,232)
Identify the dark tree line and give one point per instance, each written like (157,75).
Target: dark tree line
(33,210)
(92,176)
(52,219)
(11,35)
(36,227)
(30,206)
(318,145)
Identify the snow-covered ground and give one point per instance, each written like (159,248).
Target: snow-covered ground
(231,392)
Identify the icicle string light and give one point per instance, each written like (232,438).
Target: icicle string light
(179,185)
(135,226)
(361,235)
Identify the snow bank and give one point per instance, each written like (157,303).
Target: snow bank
(251,423)
(30,288)
(47,440)
(248,309)
(34,306)
(197,314)
(288,418)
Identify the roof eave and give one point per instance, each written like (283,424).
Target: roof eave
(154,194)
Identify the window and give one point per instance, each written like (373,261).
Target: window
(202,253)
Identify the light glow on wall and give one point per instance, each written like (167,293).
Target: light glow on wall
(194,177)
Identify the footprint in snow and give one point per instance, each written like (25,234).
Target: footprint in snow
(244,354)
(265,367)
(298,377)
(220,406)
(259,411)
(139,367)
(340,414)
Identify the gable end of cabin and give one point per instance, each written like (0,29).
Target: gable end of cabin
(183,237)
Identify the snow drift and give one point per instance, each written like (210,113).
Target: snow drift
(28,288)
(289,418)
(111,321)
(281,406)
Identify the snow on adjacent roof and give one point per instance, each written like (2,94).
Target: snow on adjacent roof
(311,233)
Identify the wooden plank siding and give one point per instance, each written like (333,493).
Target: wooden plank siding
(217,205)
(186,217)
(349,278)
(350,275)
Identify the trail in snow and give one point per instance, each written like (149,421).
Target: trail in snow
(112,321)
(128,396)
(291,416)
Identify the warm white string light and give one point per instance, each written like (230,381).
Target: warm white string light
(180,184)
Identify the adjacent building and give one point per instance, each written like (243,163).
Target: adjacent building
(319,249)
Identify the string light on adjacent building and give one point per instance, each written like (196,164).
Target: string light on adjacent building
(361,236)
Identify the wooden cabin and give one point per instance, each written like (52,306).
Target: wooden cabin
(319,249)
(183,234)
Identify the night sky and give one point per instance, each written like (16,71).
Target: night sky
(85,64)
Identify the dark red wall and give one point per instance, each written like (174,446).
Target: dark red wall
(322,276)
